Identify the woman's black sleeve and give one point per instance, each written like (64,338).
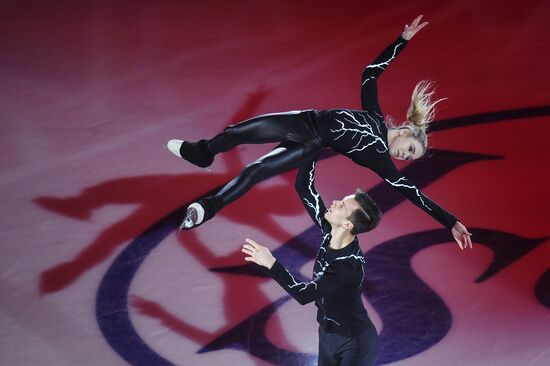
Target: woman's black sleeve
(387,171)
(369,89)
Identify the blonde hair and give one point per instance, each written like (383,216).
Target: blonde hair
(421,111)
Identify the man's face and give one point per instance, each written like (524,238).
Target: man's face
(340,210)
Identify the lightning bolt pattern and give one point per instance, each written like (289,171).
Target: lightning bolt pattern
(382,65)
(313,202)
(398,183)
(359,131)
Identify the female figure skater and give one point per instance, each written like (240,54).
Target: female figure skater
(360,135)
(346,333)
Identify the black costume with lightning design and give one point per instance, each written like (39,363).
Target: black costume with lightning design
(360,135)
(346,334)
(337,273)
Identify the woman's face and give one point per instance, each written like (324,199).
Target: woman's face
(405,147)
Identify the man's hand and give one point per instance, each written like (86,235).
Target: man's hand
(461,235)
(258,254)
(411,30)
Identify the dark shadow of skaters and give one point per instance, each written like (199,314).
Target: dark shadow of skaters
(156,195)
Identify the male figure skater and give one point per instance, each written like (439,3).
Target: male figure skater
(346,333)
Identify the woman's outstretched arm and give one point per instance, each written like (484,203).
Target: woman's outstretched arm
(387,171)
(369,89)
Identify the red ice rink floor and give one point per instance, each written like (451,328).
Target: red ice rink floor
(92,272)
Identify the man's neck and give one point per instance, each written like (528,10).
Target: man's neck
(340,238)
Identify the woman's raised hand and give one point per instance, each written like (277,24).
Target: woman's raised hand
(411,30)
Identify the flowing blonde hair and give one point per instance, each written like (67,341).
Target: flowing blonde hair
(421,111)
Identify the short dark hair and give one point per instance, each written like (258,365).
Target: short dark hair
(367,216)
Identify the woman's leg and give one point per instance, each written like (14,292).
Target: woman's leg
(276,127)
(283,158)
(263,129)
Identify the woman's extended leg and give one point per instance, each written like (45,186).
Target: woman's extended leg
(283,158)
(276,127)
